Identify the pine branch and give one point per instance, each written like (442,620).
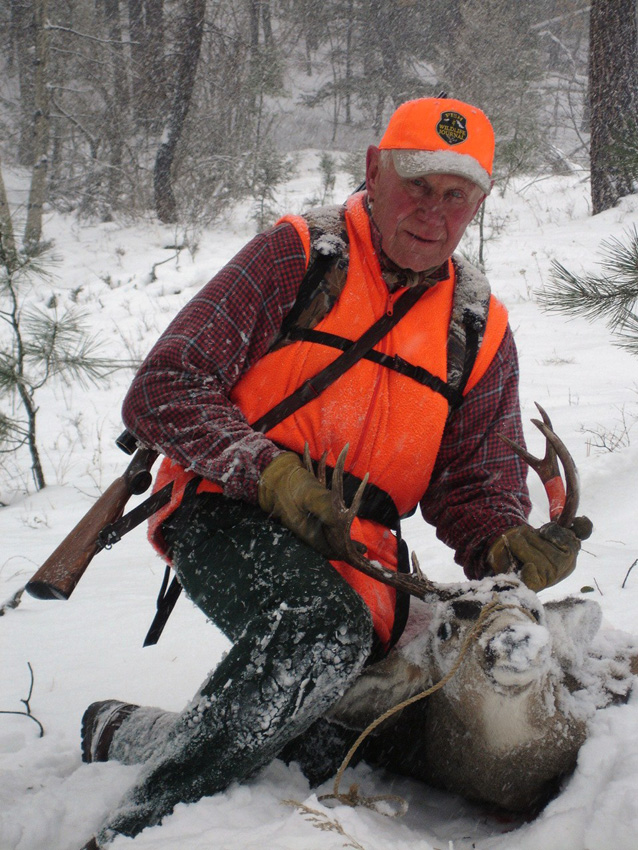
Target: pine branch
(62,346)
(611,296)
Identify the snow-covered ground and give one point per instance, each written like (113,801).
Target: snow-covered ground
(90,647)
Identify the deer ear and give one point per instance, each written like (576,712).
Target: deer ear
(573,624)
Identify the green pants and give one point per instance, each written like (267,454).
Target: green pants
(300,636)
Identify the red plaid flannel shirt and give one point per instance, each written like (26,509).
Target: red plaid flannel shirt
(179,402)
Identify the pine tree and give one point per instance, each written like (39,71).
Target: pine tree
(36,346)
(612,295)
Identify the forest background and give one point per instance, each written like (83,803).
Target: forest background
(184,107)
(179,111)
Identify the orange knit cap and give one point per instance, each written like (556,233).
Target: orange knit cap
(436,135)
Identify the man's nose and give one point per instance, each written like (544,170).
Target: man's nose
(430,205)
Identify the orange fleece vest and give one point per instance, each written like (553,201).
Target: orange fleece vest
(393,424)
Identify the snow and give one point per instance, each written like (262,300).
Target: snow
(132,279)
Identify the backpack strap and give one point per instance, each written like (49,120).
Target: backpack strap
(326,272)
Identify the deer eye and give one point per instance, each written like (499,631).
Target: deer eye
(445,631)
(467,609)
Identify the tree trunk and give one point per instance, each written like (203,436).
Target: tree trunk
(22,29)
(383,17)
(37,192)
(7,239)
(117,110)
(156,65)
(613,98)
(146,22)
(188,50)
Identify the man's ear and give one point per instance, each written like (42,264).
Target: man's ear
(372,170)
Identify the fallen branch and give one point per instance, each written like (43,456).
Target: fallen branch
(27,704)
(13,602)
(628,571)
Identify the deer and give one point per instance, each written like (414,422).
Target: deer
(489,692)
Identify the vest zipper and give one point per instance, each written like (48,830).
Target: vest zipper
(391,298)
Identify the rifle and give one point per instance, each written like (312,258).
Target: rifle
(102,526)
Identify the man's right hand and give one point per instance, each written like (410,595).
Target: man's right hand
(291,494)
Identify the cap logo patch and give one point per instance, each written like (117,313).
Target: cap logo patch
(452,128)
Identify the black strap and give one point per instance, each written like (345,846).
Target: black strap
(315,274)
(394,362)
(473,330)
(314,386)
(166,600)
(113,532)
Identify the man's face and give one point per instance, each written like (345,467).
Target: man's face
(421,220)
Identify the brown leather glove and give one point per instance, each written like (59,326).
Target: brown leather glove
(541,556)
(291,494)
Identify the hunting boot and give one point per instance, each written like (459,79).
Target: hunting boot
(100,722)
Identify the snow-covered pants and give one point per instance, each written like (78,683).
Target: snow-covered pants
(300,635)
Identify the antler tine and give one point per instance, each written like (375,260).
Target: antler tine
(544,415)
(337,486)
(550,451)
(307,460)
(548,469)
(350,551)
(572,488)
(519,450)
(321,466)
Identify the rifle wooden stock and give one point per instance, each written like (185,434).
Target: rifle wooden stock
(60,573)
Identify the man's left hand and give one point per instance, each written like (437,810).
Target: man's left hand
(542,557)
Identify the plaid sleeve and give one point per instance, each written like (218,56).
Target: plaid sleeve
(478,487)
(179,399)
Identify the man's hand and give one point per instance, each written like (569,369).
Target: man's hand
(291,494)
(542,557)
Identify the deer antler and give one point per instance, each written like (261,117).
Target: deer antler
(563,498)
(351,551)
(563,507)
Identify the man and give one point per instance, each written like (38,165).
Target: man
(247,529)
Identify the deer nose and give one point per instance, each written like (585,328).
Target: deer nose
(517,654)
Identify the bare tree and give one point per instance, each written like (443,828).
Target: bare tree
(188,50)
(23,42)
(38,190)
(613,96)
(118,103)
(146,27)
(7,238)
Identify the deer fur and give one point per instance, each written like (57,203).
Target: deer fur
(508,725)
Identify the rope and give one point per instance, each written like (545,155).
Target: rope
(353,798)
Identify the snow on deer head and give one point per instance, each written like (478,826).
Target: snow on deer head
(507,675)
